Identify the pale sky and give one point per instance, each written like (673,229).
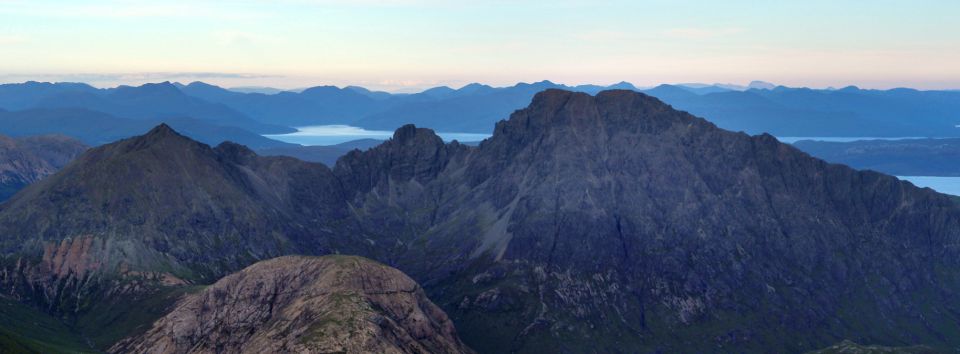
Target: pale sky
(411,44)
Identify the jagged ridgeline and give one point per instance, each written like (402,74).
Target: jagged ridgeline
(584,224)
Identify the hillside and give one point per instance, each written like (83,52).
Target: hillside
(26,160)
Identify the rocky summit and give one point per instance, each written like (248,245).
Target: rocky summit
(296,304)
(607,223)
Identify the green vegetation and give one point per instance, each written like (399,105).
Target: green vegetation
(26,330)
(112,320)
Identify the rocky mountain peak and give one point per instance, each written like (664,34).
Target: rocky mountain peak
(165,88)
(161,136)
(161,130)
(411,135)
(579,113)
(305,305)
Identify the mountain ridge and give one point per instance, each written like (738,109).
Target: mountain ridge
(585,223)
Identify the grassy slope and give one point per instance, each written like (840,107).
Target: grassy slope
(26,330)
(110,321)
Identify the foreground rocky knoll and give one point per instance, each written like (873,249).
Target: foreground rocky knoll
(296,304)
(585,224)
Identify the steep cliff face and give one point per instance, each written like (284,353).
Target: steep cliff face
(585,224)
(595,223)
(296,304)
(26,160)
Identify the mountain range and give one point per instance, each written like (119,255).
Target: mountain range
(586,223)
(475,108)
(97,128)
(907,157)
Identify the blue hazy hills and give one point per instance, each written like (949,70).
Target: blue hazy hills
(213,114)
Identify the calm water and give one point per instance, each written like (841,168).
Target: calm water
(946,185)
(336,134)
(839,139)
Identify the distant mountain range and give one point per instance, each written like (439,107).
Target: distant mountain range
(147,102)
(97,128)
(757,108)
(909,157)
(607,223)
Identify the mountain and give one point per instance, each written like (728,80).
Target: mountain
(908,157)
(332,304)
(584,224)
(618,212)
(147,102)
(231,196)
(377,95)
(26,160)
(326,155)
(473,108)
(761,108)
(158,101)
(761,85)
(702,89)
(313,106)
(29,94)
(97,128)
(258,89)
(816,113)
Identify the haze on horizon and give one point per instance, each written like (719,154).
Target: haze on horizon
(405,45)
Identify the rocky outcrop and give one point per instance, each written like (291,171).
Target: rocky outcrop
(296,304)
(26,160)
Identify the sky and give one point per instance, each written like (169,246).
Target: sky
(404,45)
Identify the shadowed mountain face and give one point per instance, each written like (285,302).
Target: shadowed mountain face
(327,155)
(163,201)
(27,160)
(584,224)
(332,304)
